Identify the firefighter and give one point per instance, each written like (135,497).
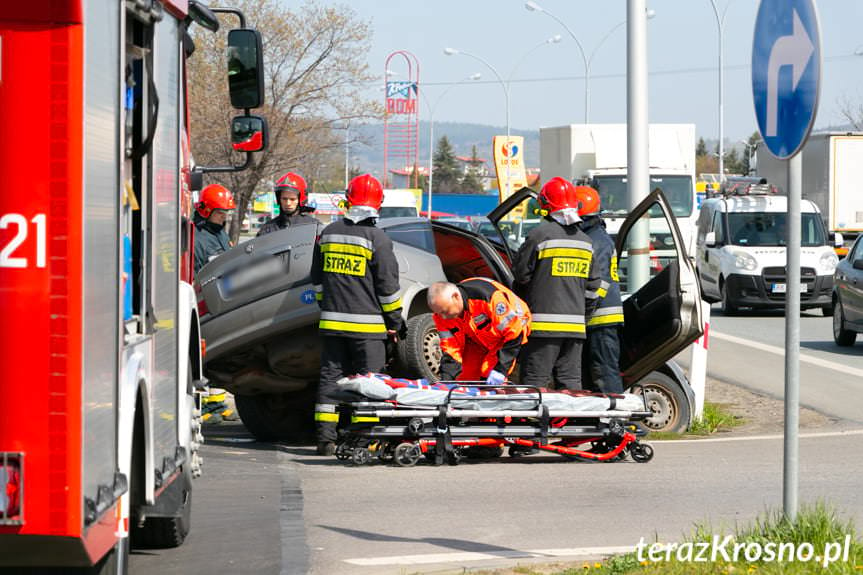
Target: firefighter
(291,196)
(602,352)
(210,216)
(210,241)
(482,327)
(356,280)
(554,271)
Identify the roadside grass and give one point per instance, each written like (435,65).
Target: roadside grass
(817,525)
(716,418)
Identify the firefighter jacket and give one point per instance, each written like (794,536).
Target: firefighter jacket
(494,320)
(356,280)
(609,307)
(283,221)
(555,273)
(210,241)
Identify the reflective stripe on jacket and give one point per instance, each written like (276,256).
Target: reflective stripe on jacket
(355,276)
(494,319)
(554,271)
(609,308)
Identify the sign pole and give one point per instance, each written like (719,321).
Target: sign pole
(791,463)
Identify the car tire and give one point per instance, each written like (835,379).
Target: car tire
(277,416)
(419,354)
(666,400)
(726,305)
(841,336)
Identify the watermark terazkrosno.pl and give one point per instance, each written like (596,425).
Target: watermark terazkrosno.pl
(730,551)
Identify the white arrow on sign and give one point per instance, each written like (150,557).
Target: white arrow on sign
(794,51)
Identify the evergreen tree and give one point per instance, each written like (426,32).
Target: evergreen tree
(471,183)
(446,176)
(701,148)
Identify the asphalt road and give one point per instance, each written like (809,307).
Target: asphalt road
(263,508)
(749,351)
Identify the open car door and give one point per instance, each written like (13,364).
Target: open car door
(663,316)
(513,219)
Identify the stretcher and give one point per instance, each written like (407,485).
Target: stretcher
(406,421)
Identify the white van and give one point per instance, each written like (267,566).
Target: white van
(741,254)
(399,204)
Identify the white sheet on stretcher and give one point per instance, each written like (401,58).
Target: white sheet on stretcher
(375,389)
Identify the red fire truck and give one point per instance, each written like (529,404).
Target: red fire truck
(101,356)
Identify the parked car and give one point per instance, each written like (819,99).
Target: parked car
(259,317)
(848,296)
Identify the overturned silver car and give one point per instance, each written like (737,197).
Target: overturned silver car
(259,316)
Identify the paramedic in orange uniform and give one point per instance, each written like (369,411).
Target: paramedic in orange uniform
(482,326)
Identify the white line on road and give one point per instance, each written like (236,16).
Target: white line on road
(781,352)
(760,437)
(487,555)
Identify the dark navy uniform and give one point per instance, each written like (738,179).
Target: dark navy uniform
(602,353)
(283,220)
(356,280)
(555,275)
(210,241)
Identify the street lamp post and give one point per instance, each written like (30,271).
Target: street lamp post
(431,110)
(720,26)
(750,150)
(650,15)
(505,85)
(534,7)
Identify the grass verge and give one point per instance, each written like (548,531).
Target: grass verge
(715,418)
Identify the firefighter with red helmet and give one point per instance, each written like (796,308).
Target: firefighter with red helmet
(211,212)
(356,279)
(292,198)
(602,352)
(554,272)
(482,326)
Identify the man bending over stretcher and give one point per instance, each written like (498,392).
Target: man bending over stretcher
(482,326)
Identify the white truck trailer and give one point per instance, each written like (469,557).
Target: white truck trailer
(597,153)
(832,178)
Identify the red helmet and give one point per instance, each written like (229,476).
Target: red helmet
(587,200)
(555,195)
(365,190)
(215,197)
(291,182)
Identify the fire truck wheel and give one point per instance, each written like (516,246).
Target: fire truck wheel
(277,416)
(168,532)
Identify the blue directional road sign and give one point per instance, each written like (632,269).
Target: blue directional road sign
(786,73)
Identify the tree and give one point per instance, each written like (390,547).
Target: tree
(701,148)
(314,71)
(446,177)
(470,182)
(733,163)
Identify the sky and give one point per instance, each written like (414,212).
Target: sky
(547,84)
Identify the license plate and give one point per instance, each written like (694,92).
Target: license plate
(254,275)
(782,288)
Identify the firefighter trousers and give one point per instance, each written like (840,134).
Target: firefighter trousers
(551,362)
(602,358)
(342,356)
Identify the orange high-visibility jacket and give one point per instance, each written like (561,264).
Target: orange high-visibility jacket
(487,336)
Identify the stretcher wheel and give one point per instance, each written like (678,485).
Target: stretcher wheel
(415,427)
(520,450)
(641,452)
(361,456)
(343,452)
(407,454)
(453,457)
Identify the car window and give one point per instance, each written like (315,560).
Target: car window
(397,212)
(718,228)
(769,229)
(857,251)
(417,234)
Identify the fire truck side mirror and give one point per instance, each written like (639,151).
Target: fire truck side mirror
(245,68)
(249,134)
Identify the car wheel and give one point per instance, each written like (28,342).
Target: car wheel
(841,336)
(277,416)
(728,307)
(666,401)
(419,353)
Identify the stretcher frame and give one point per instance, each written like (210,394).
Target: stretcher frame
(442,433)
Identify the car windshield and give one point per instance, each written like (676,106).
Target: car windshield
(613,195)
(768,229)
